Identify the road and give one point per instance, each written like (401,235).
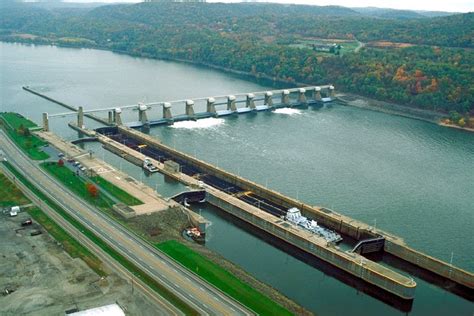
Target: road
(196,292)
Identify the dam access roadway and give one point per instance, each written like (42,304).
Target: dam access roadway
(199,294)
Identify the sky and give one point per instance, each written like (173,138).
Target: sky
(428,5)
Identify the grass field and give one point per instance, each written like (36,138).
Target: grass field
(10,195)
(118,193)
(222,279)
(14,124)
(160,289)
(76,184)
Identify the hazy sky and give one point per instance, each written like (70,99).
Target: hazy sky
(429,5)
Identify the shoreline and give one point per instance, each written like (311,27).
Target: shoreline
(367,103)
(347,98)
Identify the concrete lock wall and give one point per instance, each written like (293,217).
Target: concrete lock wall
(328,254)
(431,264)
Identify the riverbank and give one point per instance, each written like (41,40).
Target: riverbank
(397,109)
(389,108)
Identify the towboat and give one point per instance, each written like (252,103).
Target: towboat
(293,215)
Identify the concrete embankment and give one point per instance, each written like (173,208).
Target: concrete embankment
(343,224)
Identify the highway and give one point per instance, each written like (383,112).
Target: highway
(199,294)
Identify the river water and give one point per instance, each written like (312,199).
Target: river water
(407,177)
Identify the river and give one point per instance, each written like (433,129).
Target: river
(408,177)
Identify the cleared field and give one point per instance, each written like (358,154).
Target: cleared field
(222,279)
(347,46)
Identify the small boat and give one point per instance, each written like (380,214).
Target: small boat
(195,234)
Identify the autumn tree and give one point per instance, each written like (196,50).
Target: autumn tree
(92,189)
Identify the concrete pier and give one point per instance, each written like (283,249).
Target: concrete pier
(231,103)
(285,97)
(142,117)
(268,98)
(210,107)
(45,122)
(167,111)
(317,94)
(250,102)
(190,108)
(80,117)
(118,116)
(302,96)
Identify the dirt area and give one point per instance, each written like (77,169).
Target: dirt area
(45,280)
(386,44)
(161,226)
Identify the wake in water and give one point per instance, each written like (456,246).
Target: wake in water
(288,111)
(210,122)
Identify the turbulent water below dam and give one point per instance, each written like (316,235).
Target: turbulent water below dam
(411,178)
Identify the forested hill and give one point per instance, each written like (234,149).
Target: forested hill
(425,62)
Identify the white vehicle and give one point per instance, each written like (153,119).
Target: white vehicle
(149,166)
(14,211)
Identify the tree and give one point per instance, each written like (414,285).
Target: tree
(92,189)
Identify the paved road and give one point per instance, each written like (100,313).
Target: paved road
(196,292)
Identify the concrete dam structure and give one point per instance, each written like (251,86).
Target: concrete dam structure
(168,112)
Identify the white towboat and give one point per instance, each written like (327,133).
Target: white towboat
(293,215)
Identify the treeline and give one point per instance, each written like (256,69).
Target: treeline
(254,38)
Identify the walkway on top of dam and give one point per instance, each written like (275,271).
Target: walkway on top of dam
(198,108)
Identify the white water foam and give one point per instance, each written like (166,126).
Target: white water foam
(288,111)
(210,122)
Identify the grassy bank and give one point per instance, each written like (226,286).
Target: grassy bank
(137,272)
(17,127)
(115,191)
(222,279)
